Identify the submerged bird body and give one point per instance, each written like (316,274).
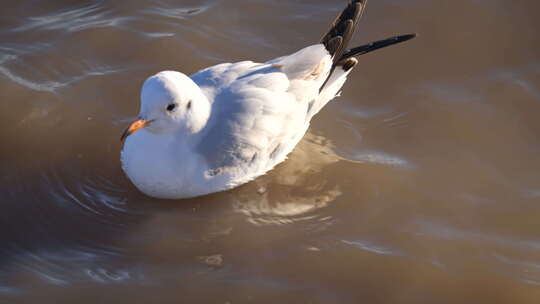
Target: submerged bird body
(230,123)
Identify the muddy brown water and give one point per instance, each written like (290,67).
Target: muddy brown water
(421,184)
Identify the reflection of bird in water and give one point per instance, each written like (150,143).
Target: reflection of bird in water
(230,123)
(286,204)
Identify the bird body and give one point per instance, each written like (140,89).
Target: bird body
(228,124)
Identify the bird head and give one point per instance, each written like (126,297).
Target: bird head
(170,103)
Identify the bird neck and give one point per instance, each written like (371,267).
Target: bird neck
(201,113)
(194,126)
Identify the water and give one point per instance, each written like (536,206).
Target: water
(421,184)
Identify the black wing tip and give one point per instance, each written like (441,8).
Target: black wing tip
(398,39)
(401,38)
(373,46)
(344,26)
(407,37)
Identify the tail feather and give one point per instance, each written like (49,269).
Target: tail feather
(337,39)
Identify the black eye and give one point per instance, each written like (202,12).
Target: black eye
(171,107)
(189,105)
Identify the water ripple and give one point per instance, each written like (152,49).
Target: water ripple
(372,247)
(48,86)
(177,12)
(69,266)
(8,290)
(378,158)
(526,271)
(98,196)
(51,86)
(72,20)
(451,233)
(105,276)
(520,78)
(10,51)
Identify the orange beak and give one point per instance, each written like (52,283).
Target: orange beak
(134,127)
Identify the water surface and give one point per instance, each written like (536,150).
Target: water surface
(421,184)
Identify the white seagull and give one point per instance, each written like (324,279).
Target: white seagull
(230,123)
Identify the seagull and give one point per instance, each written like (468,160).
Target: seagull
(233,122)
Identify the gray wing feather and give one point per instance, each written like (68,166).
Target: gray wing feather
(256,107)
(246,118)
